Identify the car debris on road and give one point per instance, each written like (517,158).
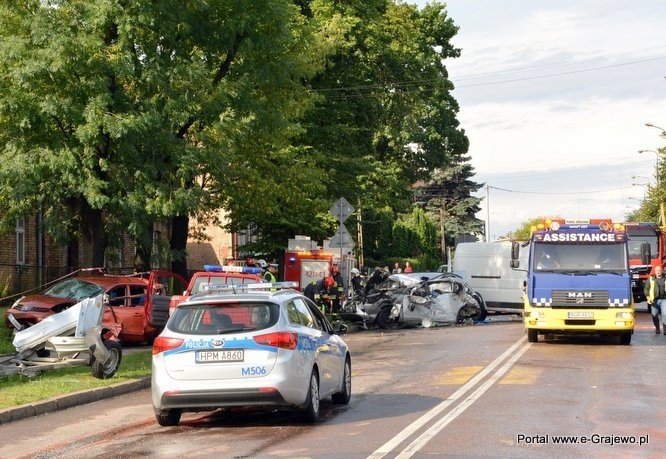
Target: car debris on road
(412,299)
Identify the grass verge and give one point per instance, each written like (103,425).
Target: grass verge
(17,390)
(6,335)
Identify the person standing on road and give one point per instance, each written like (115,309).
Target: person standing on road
(356,282)
(656,297)
(408,267)
(337,289)
(396,268)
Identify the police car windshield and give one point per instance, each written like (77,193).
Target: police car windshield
(579,258)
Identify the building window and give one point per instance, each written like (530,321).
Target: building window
(20,241)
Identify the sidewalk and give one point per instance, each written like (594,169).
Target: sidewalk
(62,402)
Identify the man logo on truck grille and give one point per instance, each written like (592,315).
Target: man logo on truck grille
(580,300)
(579,295)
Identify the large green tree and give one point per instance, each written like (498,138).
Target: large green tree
(118,113)
(386,118)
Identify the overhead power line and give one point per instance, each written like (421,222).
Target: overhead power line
(418,85)
(568,72)
(555,192)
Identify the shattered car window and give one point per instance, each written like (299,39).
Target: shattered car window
(76,289)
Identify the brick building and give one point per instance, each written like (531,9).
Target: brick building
(29,258)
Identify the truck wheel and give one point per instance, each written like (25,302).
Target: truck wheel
(625,338)
(109,369)
(532,335)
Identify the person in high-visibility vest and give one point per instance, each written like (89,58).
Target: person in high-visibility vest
(271,271)
(655,292)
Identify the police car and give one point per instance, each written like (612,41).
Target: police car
(263,345)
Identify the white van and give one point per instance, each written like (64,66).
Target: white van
(486,266)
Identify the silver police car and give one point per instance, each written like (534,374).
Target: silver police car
(261,345)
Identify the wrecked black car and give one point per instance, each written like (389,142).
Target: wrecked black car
(413,299)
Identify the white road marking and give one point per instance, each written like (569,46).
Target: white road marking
(432,431)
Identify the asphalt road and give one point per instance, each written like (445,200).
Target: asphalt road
(472,391)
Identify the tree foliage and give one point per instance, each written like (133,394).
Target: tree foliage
(118,113)
(115,115)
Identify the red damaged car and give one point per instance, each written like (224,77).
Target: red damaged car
(131,315)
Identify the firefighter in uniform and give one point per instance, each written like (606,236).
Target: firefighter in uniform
(356,282)
(337,290)
(318,292)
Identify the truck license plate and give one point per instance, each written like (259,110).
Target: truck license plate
(231,355)
(580,315)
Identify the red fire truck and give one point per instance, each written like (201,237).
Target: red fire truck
(653,234)
(307,266)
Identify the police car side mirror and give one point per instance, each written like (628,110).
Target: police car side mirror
(340,328)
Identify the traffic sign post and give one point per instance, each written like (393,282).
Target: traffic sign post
(341,210)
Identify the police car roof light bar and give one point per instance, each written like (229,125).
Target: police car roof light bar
(244,288)
(232,269)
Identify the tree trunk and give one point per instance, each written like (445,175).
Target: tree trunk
(144,250)
(94,234)
(178,244)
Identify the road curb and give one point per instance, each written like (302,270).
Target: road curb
(62,402)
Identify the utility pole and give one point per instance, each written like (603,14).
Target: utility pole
(487,213)
(441,229)
(359,229)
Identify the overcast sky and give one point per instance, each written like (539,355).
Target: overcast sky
(554,97)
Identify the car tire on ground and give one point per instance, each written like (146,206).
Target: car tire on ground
(532,335)
(105,371)
(483,313)
(383,319)
(168,418)
(310,412)
(343,397)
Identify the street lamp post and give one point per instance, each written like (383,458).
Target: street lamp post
(645,188)
(656,165)
(663,131)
